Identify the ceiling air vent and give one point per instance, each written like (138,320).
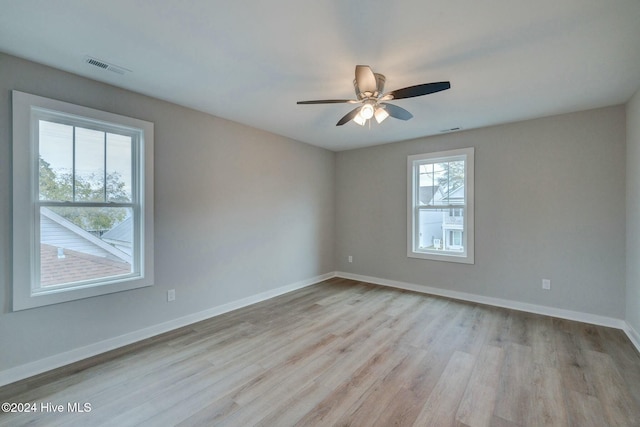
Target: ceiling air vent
(450,130)
(105,65)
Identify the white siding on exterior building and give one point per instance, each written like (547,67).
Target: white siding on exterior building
(121,236)
(430,228)
(56,231)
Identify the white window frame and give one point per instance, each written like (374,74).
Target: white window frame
(27,292)
(413,206)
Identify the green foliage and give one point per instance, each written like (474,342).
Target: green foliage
(59,187)
(454,176)
(52,186)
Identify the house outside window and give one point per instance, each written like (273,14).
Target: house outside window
(440,206)
(83,202)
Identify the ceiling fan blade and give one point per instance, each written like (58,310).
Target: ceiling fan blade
(417,90)
(350,115)
(397,112)
(330,101)
(365,79)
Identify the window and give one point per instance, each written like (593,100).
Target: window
(440,206)
(455,239)
(82,202)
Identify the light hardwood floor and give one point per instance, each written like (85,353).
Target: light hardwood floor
(347,353)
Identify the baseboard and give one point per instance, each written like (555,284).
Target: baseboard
(593,319)
(37,367)
(497,302)
(27,370)
(633,335)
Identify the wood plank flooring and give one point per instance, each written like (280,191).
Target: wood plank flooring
(346,353)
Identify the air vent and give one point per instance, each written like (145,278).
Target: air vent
(97,63)
(105,65)
(450,130)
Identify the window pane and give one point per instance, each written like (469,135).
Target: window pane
(89,179)
(452,182)
(453,217)
(440,206)
(441,183)
(55,149)
(430,229)
(429,178)
(79,244)
(441,229)
(118,168)
(456,238)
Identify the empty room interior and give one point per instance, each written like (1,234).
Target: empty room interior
(363,213)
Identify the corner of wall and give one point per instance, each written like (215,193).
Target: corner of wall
(632,289)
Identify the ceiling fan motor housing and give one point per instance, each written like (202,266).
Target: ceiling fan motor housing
(380,80)
(373,101)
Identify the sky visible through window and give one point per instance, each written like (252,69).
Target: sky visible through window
(443,177)
(57,149)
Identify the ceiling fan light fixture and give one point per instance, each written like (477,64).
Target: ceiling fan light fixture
(381,114)
(367,111)
(369,88)
(359,119)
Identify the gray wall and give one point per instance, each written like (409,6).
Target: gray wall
(550,203)
(238,212)
(633,213)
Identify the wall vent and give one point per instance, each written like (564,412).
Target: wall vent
(105,65)
(450,130)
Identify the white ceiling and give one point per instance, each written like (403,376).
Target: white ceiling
(250,61)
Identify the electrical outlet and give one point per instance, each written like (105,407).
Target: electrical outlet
(350,258)
(171,295)
(546,284)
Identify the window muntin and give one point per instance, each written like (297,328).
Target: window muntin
(440,206)
(82,190)
(83,202)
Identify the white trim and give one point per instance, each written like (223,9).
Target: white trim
(578,316)
(26,247)
(467,256)
(56,361)
(27,370)
(496,302)
(633,335)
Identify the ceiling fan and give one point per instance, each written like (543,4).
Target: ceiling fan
(369,87)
